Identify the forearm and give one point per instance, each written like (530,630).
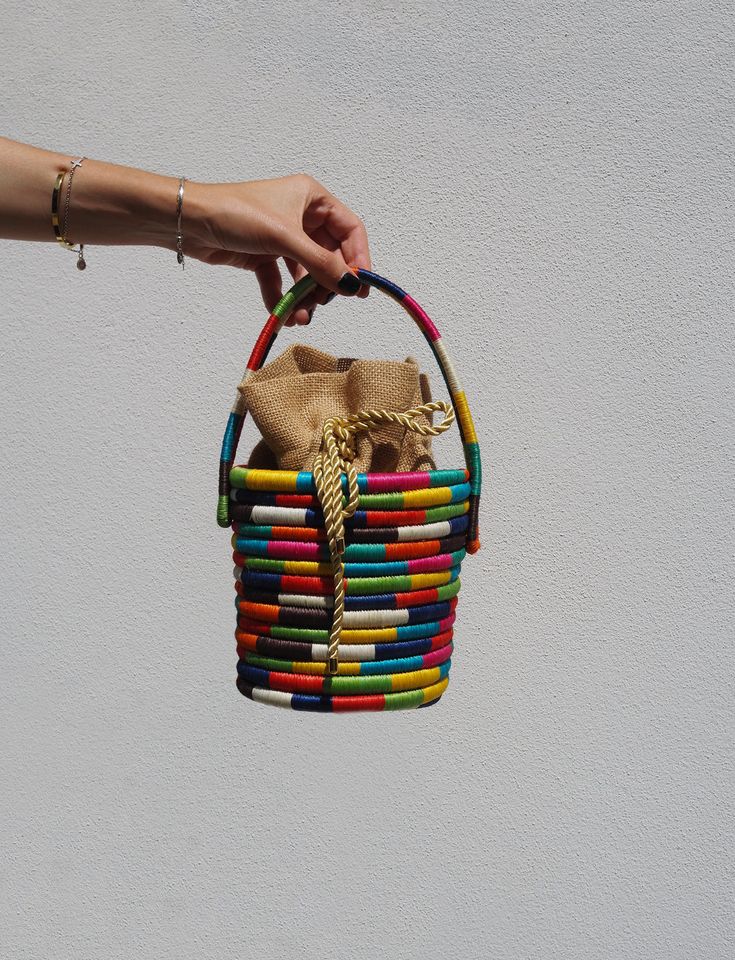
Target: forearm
(110,203)
(248,224)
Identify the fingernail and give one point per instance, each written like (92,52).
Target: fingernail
(331,297)
(311,314)
(349,283)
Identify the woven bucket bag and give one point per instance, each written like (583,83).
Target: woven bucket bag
(347,583)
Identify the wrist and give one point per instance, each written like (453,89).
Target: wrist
(115,204)
(195,207)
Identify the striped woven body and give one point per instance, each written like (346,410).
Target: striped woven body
(400,595)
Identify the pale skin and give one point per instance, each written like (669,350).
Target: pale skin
(249,224)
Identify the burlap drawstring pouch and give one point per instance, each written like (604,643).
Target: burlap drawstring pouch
(291,397)
(347,539)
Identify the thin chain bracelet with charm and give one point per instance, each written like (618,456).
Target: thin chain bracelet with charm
(179,237)
(81,262)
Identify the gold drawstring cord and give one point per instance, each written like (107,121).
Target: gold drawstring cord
(335,458)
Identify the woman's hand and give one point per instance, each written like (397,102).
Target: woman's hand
(253,223)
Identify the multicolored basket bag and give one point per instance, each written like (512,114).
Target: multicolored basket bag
(347,583)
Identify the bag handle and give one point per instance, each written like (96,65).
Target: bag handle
(282,310)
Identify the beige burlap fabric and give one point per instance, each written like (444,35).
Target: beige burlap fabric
(290,398)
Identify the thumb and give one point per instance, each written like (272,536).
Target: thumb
(328,267)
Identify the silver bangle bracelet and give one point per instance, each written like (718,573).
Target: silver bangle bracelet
(179,236)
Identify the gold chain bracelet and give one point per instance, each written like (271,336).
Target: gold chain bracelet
(59,232)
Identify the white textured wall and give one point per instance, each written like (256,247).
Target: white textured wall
(553,182)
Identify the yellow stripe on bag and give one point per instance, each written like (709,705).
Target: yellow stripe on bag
(464,416)
(414,678)
(435,690)
(387,635)
(283,481)
(431,496)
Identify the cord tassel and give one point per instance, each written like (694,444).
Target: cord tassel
(335,459)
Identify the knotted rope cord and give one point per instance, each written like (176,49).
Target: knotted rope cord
(335,458)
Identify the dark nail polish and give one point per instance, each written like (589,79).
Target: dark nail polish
(331,297)
(349,283)
(311,314)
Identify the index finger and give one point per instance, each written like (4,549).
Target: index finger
(348,231)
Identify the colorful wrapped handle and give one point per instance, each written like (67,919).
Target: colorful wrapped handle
(283,309)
